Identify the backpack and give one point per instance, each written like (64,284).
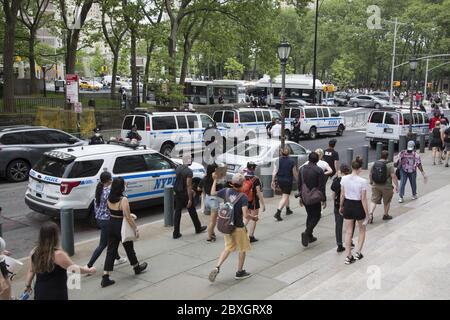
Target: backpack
(379,172)
(248,189)
(225,216)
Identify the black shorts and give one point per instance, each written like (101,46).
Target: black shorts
(254,205)
(354,210)
(286,188)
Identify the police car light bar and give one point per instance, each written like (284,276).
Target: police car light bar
(127,144)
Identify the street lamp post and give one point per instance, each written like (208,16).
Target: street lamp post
(413,66)
(315,52)
(284,49)
(43,77)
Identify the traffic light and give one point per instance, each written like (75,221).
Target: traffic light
(104,68)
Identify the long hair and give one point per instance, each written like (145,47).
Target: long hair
(210,169)
(117,189)
(43,255)
(104,178)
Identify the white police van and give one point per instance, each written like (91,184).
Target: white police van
(166,131)
(68,177)
(390,123)
(242,122)
(316,120)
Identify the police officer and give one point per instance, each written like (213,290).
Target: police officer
(97,138)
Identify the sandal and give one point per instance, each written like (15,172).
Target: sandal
(358,256)
(212,239)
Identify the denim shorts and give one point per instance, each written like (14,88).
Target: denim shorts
(211,203)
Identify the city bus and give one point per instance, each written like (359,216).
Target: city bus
(210,92)
(298,86)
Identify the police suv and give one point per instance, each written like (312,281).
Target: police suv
(314,120)
(68,177)
(390,123)
(166,131)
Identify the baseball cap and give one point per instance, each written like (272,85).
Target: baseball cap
(411,145)
(237,179)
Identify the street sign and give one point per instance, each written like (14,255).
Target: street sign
(104,68)
(71,88)
(78,107)
(397,83)
(328,88)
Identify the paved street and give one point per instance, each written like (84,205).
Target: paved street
(411,252)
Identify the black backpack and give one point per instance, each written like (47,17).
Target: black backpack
(379,172)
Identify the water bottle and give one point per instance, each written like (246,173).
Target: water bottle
(24,296)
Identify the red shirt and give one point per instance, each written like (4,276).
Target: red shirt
(418,97)
(432,123)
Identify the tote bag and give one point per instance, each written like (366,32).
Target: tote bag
(127,231)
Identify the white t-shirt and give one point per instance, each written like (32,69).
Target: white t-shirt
(322,165)
(276,130)
(354,186)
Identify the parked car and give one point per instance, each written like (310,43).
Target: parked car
(22,146)
(68,177)
(264,152)
(340,99)
(367,101)
(107,80)
(127,85)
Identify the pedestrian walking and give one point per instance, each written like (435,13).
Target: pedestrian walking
(446,139)
(102,216)
(5,281)
(336,195)
(283,177)
(269,127)
(354,206)
(211,202)
(384,183)
(275,131)
(49,264)
(409,162)
(120,213)
(252,189)
(331,156)
(436,142)
(311,185)
(238,239)
(401,97)
(322,164)
(184,197)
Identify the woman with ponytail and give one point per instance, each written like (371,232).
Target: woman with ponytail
(102,215)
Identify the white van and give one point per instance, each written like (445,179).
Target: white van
(316,120)
(107,80)
(389,124)
(164,131)
(242,122)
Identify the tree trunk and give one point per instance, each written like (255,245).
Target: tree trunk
(133,63)
(32,61)
(147,69)
(8,53)
(114,72)
(184,65)
(172,48)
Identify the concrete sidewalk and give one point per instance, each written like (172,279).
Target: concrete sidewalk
(412,252)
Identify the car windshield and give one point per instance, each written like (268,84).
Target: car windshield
(249,150)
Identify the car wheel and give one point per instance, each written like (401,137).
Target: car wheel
(166,149)
(313,133)
(17,171)
(377,106)
(340,130)
(355,104)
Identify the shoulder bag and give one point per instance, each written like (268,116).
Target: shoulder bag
(310,196)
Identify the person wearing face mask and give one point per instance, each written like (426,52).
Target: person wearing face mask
(409,162)
(97,138)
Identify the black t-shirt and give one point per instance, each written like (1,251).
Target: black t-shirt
(329,156)
(284,174)
(242,202)
(336,188)
(206,185)
(182,173)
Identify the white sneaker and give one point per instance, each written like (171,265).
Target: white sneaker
(414,197)
(120,261)
(400,200)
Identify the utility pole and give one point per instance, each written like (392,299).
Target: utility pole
(393,62)
(315,53)
(426,81)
